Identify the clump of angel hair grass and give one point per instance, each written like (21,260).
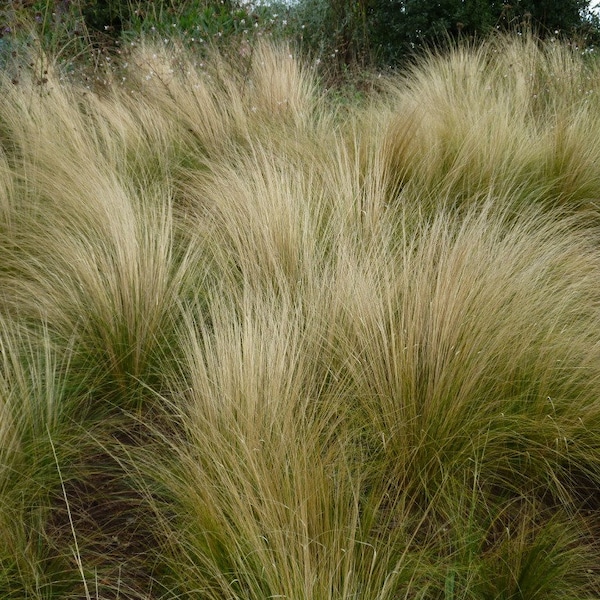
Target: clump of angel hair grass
(71,524)
(224,104)
(426,384)
(90,244)
(90,252)
(264,496)
(95,247)
(516,115)
(37,408)
(453,341)
(362,374)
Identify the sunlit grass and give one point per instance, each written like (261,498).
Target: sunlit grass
(253,346)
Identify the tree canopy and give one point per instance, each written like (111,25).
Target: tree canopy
(389,29)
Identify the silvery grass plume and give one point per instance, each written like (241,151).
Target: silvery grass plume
(251,349)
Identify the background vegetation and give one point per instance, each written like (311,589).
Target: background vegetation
(344,37)
(259,343)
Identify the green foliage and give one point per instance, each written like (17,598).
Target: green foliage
(392,31)
(399,27)
(341,35)
(335,34)
(90,40)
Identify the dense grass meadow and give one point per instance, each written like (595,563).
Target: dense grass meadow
(259,343)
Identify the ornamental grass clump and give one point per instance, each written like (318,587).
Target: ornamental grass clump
(514,115)
(255,346)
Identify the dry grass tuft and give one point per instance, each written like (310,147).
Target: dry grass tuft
(250,349)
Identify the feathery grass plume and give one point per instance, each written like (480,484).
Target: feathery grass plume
(221,104)
(279,87)
(467,130)
(368,350)
(263,499)
(139,143)
(260,218)
(481,369)
(116,289)
(508,115)
(480,312)
(67,124)
(93,250)
(7,191)
(569,157)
